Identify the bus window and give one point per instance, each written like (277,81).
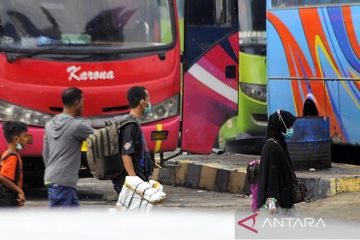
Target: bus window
(1,29)
(180,7)
(304,3)
(208,17)
(180,10)
(165,23)
(125,24)
(252,26)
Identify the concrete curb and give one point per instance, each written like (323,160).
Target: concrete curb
(217,177)
(208,176)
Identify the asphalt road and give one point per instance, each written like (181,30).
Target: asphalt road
(96,194)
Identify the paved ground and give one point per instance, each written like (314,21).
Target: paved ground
(100,195)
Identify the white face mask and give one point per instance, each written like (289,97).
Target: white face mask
(19,147)
(289,131)
(148,109)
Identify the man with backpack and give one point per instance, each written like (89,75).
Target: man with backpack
(133,149)
(63,138)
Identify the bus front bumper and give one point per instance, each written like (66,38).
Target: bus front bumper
(161,136)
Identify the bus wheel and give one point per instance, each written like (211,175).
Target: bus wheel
(310,147)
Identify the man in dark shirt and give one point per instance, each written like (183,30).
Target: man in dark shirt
(132,143)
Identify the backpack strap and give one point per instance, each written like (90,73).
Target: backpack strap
(133,119)
(148,166)
(127,120)
(9,153)
(123,121)
(17,169)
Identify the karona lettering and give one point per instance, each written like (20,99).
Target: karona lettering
(75,73)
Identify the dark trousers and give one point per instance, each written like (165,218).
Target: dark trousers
(119,181)
(62,196)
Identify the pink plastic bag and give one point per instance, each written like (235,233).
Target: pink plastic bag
(252,172)
(254,193)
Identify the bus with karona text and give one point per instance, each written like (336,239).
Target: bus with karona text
(104,48)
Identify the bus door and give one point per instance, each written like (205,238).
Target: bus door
(210,87)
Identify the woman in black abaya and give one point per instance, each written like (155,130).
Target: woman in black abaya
(276,172)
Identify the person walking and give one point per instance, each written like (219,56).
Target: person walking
(64,135)
(133,149)
(276,172)
(11,165)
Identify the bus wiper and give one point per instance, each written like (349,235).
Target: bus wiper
(13,56)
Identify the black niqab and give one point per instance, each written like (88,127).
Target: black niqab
(276,127)
(276,174)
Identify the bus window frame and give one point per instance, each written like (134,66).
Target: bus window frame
(317,5)
(255,48)
(228,24)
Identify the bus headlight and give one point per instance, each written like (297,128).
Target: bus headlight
(165,109)
(10,112)
(255,91)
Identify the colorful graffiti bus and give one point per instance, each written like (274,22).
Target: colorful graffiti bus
(314,62)
(251,122)
(105,47)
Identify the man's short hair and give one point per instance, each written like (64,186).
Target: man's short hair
(12,129)
(70,96)
(135,95)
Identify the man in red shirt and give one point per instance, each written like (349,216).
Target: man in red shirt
(11,166)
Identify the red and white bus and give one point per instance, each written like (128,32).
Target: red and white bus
(104,48)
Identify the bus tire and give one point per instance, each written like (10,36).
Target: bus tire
(306,155)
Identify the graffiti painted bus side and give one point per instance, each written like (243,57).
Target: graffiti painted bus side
(314,64)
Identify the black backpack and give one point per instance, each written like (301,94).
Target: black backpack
(252,171)
(8,198)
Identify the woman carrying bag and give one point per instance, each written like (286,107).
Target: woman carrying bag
(278,185)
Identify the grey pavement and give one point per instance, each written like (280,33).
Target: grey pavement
(100,195)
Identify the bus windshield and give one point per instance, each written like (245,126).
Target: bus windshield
(119,24)
(252,19)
